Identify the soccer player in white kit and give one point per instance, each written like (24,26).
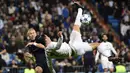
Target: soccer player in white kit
(62,49)
(105,49)
(76,46)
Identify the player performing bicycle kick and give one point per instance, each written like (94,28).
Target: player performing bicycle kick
(76,46)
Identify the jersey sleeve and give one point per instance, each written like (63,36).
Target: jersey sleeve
(55,45)
(51,46)
(113,50)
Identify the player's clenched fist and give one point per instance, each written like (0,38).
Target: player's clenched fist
(59,34)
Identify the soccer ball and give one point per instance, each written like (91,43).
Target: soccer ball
(86,19)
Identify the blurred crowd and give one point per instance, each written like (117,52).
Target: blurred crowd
(117,14)
(17,16)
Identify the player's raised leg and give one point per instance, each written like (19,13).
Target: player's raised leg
(77,23)
(75,34)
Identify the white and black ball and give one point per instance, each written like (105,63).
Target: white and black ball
(86,19)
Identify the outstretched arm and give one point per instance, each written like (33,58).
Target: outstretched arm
(54,45)
(39,45)
(113,50)
(60,40)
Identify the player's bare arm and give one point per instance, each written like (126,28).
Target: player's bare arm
(39,45)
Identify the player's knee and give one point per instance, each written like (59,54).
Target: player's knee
(38,69)
(76,28)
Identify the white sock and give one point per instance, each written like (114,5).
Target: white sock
(78,17)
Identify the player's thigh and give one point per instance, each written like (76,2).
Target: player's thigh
(75,37)
(110,65)
(104,64)
(86,46)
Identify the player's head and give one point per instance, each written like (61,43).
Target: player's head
(103,37)
(31,34)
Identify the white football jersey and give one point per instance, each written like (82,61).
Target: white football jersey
(63,51)
(106,49)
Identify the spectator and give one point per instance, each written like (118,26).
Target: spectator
(13,64)
(126,17)
(124,49)
(6,58)
(128,36)
(1,25)
(66,23)
(110,36)
(120,67)
(11,9)
(117,11)
(65,12)
(59,9)
(29,69)
(111,3)
(12,47)
(2,63)
(2,48)
(123,28)
(127,56)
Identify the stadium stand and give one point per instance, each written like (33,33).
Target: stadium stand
(50,16)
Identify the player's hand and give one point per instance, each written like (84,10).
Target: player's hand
(30,43)
(47,40)
(59,34)
(116,57)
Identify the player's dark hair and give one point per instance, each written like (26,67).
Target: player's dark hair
(101,36)
(40,38)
